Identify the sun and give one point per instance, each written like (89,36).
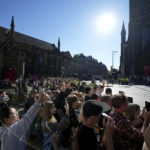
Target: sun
(106,22)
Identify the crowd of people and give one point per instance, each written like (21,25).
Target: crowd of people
(63,114)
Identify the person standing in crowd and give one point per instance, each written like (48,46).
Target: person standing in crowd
(73,104)
(133,114)
(108,91)
(100,90)
(50,94)
(32,99)
(87,136)
(82,87)
(50,125)
(12,133)
(4,97)
(89,91)
(96,97)
(73,117)
(107,99)
(126,136)
(60,102)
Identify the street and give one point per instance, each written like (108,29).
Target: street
(140,93)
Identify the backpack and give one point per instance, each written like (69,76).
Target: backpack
(35,134)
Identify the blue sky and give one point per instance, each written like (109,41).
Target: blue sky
(74,21)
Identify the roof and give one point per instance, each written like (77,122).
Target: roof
(22,38)
(66,54)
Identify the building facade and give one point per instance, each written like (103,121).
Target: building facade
(135,51)
(25,56)
(88,67)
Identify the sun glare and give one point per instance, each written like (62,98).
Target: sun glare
(105,23)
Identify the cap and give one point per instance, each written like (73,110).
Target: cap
(92,108)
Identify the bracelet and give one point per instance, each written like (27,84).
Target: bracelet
(141,118)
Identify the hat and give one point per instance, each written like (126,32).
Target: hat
(92,108)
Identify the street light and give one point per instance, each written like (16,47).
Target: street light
(113,53)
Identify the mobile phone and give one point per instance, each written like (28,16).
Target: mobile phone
(147,105)
(105,115)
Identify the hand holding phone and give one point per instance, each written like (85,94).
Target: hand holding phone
(105,115)
(147,105)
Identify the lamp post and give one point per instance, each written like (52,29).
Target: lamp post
(113,53)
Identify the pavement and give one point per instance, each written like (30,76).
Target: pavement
(140,93)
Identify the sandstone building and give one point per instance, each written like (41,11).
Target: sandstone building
(22,55)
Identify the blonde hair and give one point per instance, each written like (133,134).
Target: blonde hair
(82,118)
(132,111)
(45,112)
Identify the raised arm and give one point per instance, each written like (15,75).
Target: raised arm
(19,128)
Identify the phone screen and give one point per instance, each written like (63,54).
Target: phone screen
(105,115)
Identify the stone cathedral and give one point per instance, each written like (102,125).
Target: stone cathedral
(135,51)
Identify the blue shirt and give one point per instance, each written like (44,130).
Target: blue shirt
(13,137)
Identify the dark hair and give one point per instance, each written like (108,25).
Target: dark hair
(130,99)
(71,99)
(106,98)
(87,90)
(118,100)
(4,112)
(108,91)
(94,96)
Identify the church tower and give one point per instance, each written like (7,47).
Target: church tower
(138,38)
(58,44)
(123,44)
(123,34)
(12,27)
